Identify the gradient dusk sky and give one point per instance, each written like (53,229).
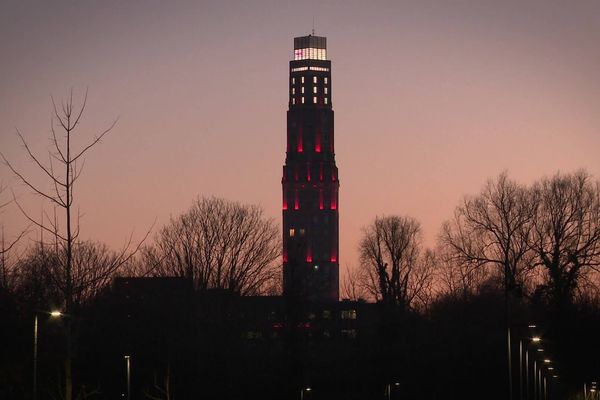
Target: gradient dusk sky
(431,99)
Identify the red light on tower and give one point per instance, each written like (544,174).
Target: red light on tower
(309,257)
(299,146)
(321,199)
(318,141)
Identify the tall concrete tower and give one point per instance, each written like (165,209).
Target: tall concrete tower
(310,178)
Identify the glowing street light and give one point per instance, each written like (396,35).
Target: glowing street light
(53,314)
(304,389)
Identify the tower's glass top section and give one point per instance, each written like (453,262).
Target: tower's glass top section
(310,48)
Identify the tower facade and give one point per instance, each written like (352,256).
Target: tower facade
(310,178)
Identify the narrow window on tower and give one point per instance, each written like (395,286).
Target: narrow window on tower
(302,79)
(333,257)
(309,256)
(296,201)
(321,199)
(292,232)
(326,100)
(302,89)
(302,99)
(314,89)
(299,137)
(294,91)
(333,204)
(315,100)
(293,81)
(293,100)
(318,141)
(326,91)
(324,80)
(285,207)
(314,79)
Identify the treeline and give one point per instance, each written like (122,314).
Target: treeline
(541,242)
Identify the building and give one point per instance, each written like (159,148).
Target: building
(310,178)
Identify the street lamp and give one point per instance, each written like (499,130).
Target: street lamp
(128,362)
(389,389)
(53,314)
(308,389)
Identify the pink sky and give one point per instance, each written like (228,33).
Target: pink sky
(431,99)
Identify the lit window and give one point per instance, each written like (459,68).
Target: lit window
(302,89)
(302,79)
(325,100)
(302,231)
(315,100)
(293,81)
(302,99)
(325,80)
(294,90)
(293,100)
(292,232)
(326,91)
(314,79)
(314,89)
(348,334)
(348,314)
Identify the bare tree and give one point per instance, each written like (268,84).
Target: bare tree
(353,285)
(459,280)
(566,231)
(62,171)
(395,271)
(493,228)
(6,272)
(218,244)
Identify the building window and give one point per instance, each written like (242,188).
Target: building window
(325,80)
(293,100)
(302,99)
(302,232)
(314,79)
(326,102)
(315,100)
(302,90)
(302,79)
(314,89)
(348,334)
(326,91)
(294,90)
(348,314)
(292,232)
(293,81)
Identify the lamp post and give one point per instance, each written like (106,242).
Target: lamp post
(308,389)
(389,389)
(524,391)
(128,363)
(53,314)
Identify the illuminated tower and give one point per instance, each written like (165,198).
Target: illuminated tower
(310,178)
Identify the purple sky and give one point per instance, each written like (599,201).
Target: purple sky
(431,99)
